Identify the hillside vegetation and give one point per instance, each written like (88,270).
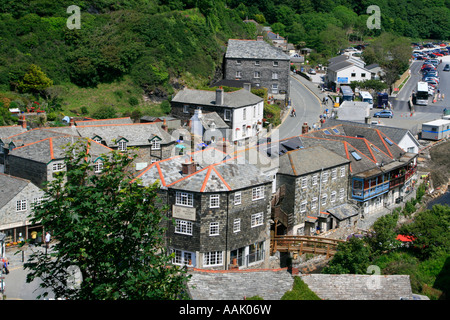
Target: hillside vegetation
(129,56)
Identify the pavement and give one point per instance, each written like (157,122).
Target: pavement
(16,287)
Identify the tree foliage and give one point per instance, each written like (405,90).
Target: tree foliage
(109,228)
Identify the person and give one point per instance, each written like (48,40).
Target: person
(5,264)
(47,239)
(33,237)
(293,113)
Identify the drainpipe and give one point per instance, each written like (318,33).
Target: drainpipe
(226,232)
(319,200)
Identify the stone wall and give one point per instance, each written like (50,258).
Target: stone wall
(31,170)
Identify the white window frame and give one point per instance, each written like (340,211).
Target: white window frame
(275,88)
(315,179)
(238,62)
(58,166)
(323,201)
(275,63)
(274,75)
(333,197)
(257,63)
(21,205)
(257,219)
(155,144)
(237,198)
(181,257)
(227,115)
(257,74)
(122,145)
(341,194)
(98,166)
(185,108)
(304,183)
(213,258)
(244,114)
(238,74)
(214,201)
(213,229)
(334,174)
(237,225)
(303,205)
(184,199)
(314,202)
(37,201)
(342,171)
(184,227)
(258,193)
(325,177)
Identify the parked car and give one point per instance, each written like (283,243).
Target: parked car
(384,114)
(447,67)
(312,71)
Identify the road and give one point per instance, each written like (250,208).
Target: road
(306,100)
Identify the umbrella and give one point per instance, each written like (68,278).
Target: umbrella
(180,146)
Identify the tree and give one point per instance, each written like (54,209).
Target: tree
(35,81)
(109,230)
(353,256)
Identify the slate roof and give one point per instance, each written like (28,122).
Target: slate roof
(215,172)
(234,99)
(253,49)
(208,118)
(343,211)
(123,120)
(7,131)
(307,160)
(10,187)
(339,66)
(52,148)
(32,136)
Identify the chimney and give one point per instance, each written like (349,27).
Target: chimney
(219,96)
(248,86)
(223,145)
(164,125)
(72,122)
(23,122)
(259,38)
(188,167)
(198,112)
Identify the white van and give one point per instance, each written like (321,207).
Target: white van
(366,97)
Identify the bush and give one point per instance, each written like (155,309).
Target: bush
(300,291)
(104,112)
(165,107)
(133,101)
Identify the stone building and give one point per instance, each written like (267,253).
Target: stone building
(259,63)
(17,198)
(314,180)
(221,209)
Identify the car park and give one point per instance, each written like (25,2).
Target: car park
(447,67)
(384,114)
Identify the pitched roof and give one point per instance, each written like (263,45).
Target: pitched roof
(7,131)
(10,187)
(307,160)
(253,49)
(53,148)
(234,99)
(220,173)
(123,120)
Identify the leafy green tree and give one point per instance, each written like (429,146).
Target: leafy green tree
(35,81)
(108,228)
(353,256)
(383,237)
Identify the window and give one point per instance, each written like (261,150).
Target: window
(324,199)
(257,63)
(238,74)
(244,114)
(274,75)
(314,203)
(257,219)
(237,198)
(182,257)
(333,196)
(58,167)
(341,194)
(214,201)
(98,166)
(257,74)
(303,206)
(325,177)
(342,171)
(21,205)
(155,144)
(333,174)
(363,75)
(227,115)
(214,229)
(304,183)
(353,75)
(314,179)
(275,63)
(185,108)
(355,155)
(238,62)
(254,111)
(184,199)
(236,225)
(213,258)
(275,88)
(258,193)
(122,145)
(183,227)
(38,201)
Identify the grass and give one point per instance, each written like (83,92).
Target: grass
(300,291)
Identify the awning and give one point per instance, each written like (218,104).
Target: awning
(404,238)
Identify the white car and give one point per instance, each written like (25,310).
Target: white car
(312,71)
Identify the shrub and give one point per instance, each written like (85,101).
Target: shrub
(300,291)
(133,101)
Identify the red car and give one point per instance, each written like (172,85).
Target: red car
(438,54)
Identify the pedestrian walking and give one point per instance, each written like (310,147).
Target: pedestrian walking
(47,239)
(5,264)
(33,237)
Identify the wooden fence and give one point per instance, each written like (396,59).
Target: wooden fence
(304,244)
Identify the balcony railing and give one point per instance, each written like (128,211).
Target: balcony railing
(371,192)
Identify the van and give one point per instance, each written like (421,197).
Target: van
(366,97)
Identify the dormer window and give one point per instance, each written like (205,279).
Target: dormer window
(11,146)
(98,166)
(122,145)
(155,144)
(97,139)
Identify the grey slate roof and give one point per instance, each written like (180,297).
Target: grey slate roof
(8,131)
(343,211)
(307,160)
(253,49)
(10,187)
(268,284)
(213,174)
(359,287)
(31,136)
(104,121)
(339,65)
(207,119)
(235,99)
(53,149)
